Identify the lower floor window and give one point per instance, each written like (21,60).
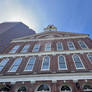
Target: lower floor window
(65,88)
(43,88)
(22,89)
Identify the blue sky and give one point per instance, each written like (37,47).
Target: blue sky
(66,15)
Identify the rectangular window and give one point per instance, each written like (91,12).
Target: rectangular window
(59,46)
(45,63)
(71,46)
(82,44)
(14,49)
(48,47)
(30,64)
(15,65)
(90,57)
(25,49)
(78,62)
(62,63)
(36,48)
(3,63)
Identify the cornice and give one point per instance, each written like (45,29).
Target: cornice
(46,53)
(46,77)
(57,38)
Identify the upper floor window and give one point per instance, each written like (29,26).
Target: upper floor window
(48,47)
(36,48)
(71,45)
(59,46)
(15,65)
(46,63)
(30,64)
(25,49)
(62,63)
(82,44)
(3,63)
(90,57)
(14,49)
(78,62)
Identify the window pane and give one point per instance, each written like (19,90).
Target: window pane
(3,63)
(61,62)
(71,46)
(48,47)
(78,62)
(15,65)
(36,48)
(82,44)
(46,63)
(14,49)
(30,64)
(26,47)
(59,46)
(90,57)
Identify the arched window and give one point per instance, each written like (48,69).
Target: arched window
(65,88)
(15,65)
(78,62)
(3,63)
(22,89)
(87,88)
(43,88)
(90,57)
(62,63)
(45,63)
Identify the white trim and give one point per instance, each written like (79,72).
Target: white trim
(47,53)
(45,77)
(80,61)
(61,46)
(55,38)
(28,62)
(88,58)
(42,64)
(83,43)
(72,44)
(64,61)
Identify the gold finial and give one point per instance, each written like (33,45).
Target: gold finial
(50,28)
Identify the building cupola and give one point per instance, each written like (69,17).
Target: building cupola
(50,28)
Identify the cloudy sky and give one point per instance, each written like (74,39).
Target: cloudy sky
(66,15)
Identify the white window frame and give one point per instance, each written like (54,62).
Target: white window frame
(13,65)
(80,61)
(5,63)
(69,46)
(61,46)
(14,49)
(28,63)
(64,61)
(89,58)
(47,46)
(83,43)
(34,47)
(43,62)
(25,50)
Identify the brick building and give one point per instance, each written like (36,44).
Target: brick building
(12,30)
(50,61)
